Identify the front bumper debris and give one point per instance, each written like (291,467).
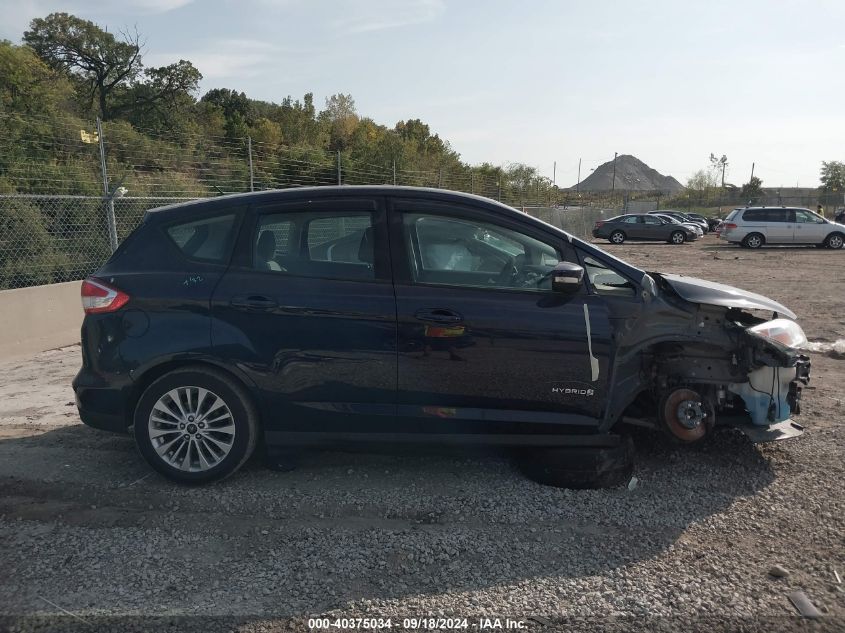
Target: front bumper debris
(780,431)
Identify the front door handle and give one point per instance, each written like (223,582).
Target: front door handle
(253,302)
(438,315)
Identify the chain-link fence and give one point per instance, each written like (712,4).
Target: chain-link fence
(51,239)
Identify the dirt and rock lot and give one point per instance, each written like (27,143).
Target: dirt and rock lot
(86,529)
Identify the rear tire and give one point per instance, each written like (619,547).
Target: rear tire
(195,425)
(753,240)
(580,468)
(834,241)
(617,237)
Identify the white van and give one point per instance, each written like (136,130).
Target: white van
(754,226)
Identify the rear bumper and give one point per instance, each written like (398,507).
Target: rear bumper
(101,406)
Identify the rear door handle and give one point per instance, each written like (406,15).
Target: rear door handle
(253,302)
(438,315)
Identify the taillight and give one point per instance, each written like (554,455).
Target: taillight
(99,297)
(728,227)
(598,224)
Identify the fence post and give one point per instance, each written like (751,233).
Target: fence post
(394,173)
(108,198)
(251,175)
(339,177)
(440,178)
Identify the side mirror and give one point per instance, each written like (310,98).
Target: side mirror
(567,278)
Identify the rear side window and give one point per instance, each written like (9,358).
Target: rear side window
(327,245)
(209,239)
(768,215)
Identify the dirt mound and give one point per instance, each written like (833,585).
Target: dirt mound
(632,174)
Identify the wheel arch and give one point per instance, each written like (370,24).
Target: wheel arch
(826,240)
(154,372)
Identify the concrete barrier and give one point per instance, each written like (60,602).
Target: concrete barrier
(39,318)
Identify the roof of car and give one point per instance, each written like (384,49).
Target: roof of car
(271,195)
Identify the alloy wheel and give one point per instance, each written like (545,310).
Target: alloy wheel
(191,428)
(835,241)
(753,241)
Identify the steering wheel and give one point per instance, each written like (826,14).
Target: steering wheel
(510,275)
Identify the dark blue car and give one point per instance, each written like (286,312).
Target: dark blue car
(345,315)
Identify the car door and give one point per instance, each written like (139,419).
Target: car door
(809,228)
(307,312)
(653,228)
(484,344)
(780,225)
(633,226)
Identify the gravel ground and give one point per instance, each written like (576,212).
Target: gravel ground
(87,530)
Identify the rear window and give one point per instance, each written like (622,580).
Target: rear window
(767,215)
(209,239)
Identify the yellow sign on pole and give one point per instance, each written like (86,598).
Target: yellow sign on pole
(89,137)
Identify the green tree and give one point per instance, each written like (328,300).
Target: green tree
(98,60)
(342,119)
(833,176)
(751,190)
(27,84)
(108,71)
(27,257)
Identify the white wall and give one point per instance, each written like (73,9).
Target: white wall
(39,318)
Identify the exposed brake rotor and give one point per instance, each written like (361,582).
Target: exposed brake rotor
(686,415)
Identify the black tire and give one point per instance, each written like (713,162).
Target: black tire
(617,237)
(835,241)
(243,416)
(581,467)
(677,237)
(753,240)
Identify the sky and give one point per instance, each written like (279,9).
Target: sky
(538,81)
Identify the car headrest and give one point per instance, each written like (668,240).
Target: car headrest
(265,250)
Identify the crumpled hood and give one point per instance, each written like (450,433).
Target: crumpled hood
(709,292)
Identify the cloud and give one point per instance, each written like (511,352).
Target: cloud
(364,16)
(225,59)
(18,14)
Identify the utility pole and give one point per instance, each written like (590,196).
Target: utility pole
(554,174)
(251,175)
(578,184)
(394,173)
(338,169)
(752,172)
(724,164)
(110,219)
(613,186)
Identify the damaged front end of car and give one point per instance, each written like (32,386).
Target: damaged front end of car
(699,356)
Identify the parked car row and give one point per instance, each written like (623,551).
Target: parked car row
(751,227)
(646,226)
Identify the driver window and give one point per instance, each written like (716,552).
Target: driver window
(651,219)
(458,252)
(806,217)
